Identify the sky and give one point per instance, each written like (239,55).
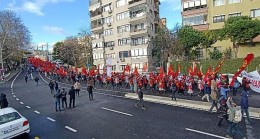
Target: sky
(50,21)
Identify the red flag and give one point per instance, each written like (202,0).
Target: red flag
(195,69)
(161,73)
(207,73)
(145,67)
(136,72)
(247,61)
(219,66)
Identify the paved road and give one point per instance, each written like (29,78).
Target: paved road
(107,116)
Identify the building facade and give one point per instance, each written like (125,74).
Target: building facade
(211,14)
(121,32)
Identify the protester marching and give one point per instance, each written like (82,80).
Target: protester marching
(212,86)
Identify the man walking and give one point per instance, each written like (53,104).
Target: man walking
(233,119)
(140,96)
(77,87)
(3,101)
(244,105)
(51,85)
(36,80)
(90,91)
(26,78)
(64,97)
(72,97)
(57,97)
(56,85)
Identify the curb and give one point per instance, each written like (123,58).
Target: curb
(204,106)
(10,76)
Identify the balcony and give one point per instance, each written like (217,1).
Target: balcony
(137,32)
(94,2)
(97,13)
(134,3)
(135,18)
(156,9)
(195,12)
(201,27)
(95,28)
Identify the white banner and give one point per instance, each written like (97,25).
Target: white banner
(254,78)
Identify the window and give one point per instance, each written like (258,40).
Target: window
(255,13)
(122,16)
(199,52)
(220,18)
(120,3)
(218,2)
(124,41)
(123,54)
(123,28)
(195,20)
(108,19)
(108,32)
(137,65)
(137,27)
(138,13)
(234,1)
(109,44)
(110,55)
(9,117)
(234,14)
(139,52)
(97,45)
(139,41)
(122,67)
(107,7)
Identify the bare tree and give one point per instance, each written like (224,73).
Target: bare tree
(14,37)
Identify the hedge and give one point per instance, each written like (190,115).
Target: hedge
(229,66)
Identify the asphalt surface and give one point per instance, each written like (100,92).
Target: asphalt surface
(98,119)
(254,97)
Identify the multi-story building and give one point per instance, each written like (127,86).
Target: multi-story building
(122,30)
(211,14)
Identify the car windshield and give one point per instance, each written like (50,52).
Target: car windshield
(9,117)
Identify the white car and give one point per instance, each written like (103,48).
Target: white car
(230,76)
(12,123)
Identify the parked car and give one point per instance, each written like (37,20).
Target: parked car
(230,76)
(12,123)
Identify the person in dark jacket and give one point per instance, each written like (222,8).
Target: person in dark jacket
(140,96)
(223,113)
(36,80)
(26,78)
(3,101)
(244,105)
(57,97)
(72,96)
(90,91)
(64,97)
(51,85)
(56,85)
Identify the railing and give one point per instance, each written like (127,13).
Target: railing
(137,30)
(134,1)
(93,2)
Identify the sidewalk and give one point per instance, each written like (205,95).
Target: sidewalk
(10,75)
(198,105)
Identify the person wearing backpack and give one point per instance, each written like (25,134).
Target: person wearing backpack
(244,105)
(235,116)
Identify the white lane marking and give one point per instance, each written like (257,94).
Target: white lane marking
(205,133)
(51,119)
(22,103)
(71,129)
(116,111)
(37,112)
(15,79)
(17,99)
(43,79)
(12,93)
(14,96)
(28,107)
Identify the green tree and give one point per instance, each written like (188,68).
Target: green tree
(56,51)
(189,38)
(242,29)
(209,37)
(165,45)
(215,54)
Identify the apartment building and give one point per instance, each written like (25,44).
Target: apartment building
(122,30)
(211,14)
